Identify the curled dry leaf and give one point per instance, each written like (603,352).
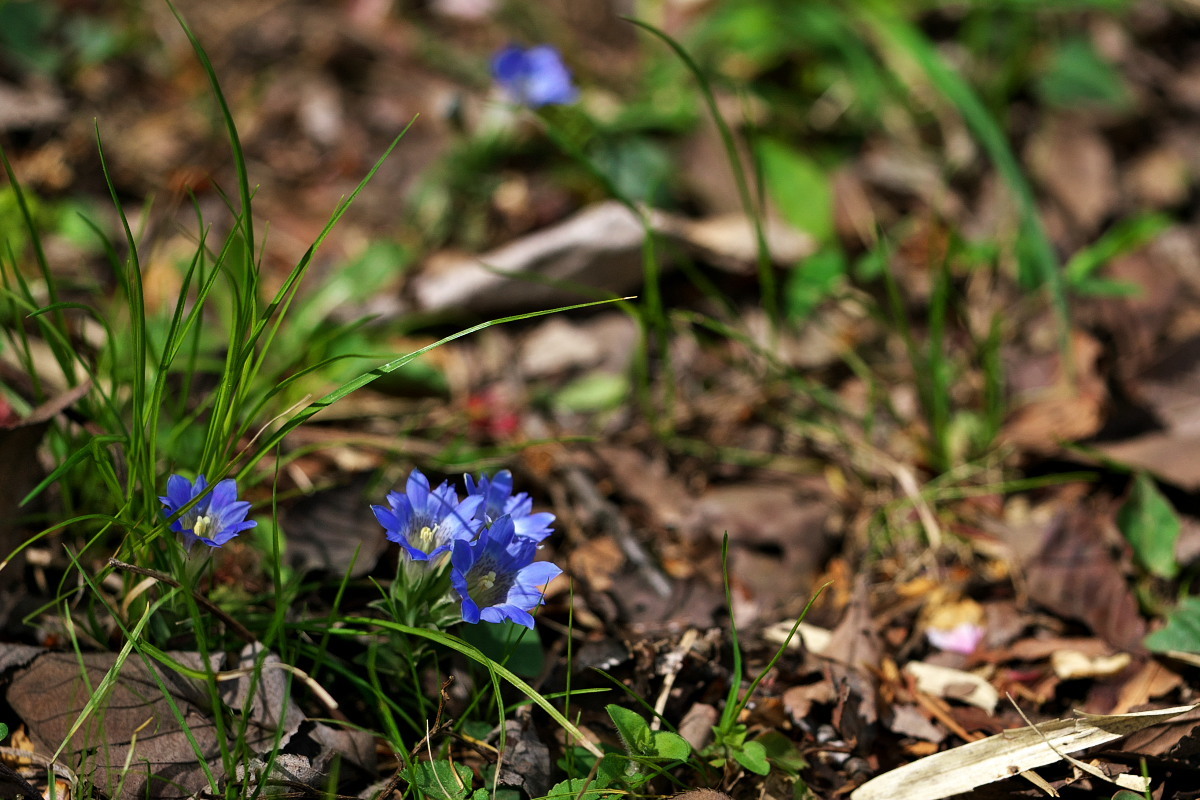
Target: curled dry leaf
(953,684)
(1006,754)
(599,248)
(1070,665)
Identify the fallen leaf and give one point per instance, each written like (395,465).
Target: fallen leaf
(1177,738)
(1152,680)
(1052,406)
(778,539)
(953,684)
(812,638)
(22,108)
(1076,576)
(1006,754)
(854,651)
(1076,166)
(597,250)
(526,760)
(697,725)
(798,700)
(20,473)
(1069,665)
(333,529)
(906,719)
(158,719)
(1037,649)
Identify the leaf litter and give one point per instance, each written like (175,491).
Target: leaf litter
(1056,584)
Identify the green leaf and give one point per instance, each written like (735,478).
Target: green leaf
(1182,631)
(570,790)
(597,391)
(634,731)
(3,731)
(753,756)
(440,779)
(1124,237)
(783,753)
(1078,76)
(1107,287)
(502,793)
(799,187)
(639,169)
(671,746)
(613,767)
(811,282)
(1151,526)
(733,738)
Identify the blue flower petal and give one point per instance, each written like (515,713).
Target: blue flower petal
(425,522)
(534,77)
(215,519)
(495,578)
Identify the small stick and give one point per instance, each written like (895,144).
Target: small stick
(237,627)
(606,515)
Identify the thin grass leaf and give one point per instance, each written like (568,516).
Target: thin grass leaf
(141,447)
(246,222)
(62,355)
(729,714)
(766,274)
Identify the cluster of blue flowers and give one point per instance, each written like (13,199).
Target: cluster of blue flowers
(491,536)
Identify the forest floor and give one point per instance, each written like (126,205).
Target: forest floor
(949,401)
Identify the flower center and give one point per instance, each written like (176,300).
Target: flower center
(204,524)
(426,539)
(488,587)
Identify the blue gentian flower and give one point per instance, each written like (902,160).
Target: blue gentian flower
(215,519)
(498,500)
(496,576)
(427,522)
(534,77)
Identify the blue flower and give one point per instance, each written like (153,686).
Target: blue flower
(498,500)
(215,519)
(496,576)
(427,522)
(534,77)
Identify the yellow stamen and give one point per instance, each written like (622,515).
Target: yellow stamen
(426,538)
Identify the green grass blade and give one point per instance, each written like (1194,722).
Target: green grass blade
(766,274)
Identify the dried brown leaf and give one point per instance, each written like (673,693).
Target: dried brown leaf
(1076,576)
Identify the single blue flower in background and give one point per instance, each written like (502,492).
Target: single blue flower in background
(427,522)
(496,576)
(214,520)
(498,500)
(533,77)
